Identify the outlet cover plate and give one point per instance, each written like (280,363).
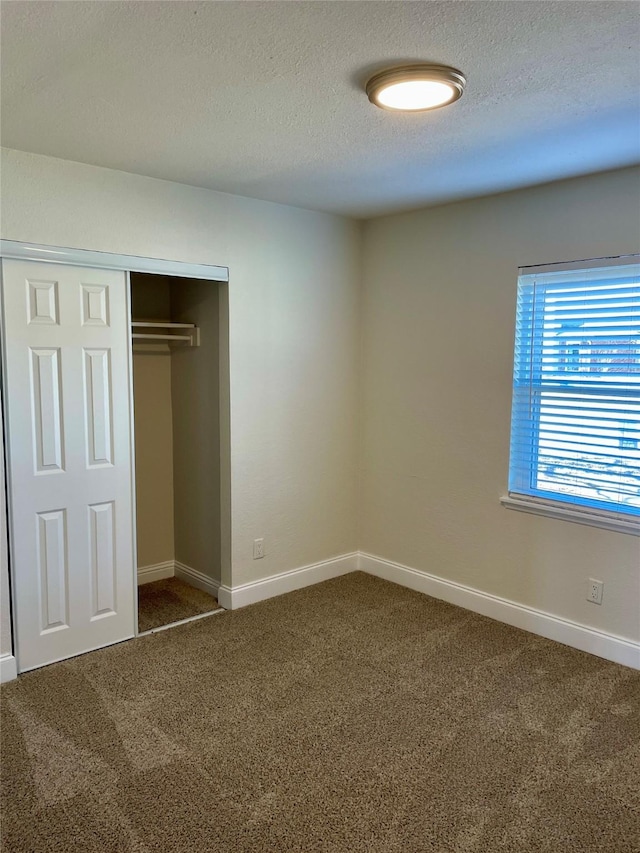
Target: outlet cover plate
(595,589)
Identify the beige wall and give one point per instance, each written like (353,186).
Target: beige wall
(154,456)
(439,308)
(293,335)
(152,399)
(438,314)
(196,428)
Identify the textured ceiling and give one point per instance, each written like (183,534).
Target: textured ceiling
(265,99)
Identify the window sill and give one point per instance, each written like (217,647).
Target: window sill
(565,513)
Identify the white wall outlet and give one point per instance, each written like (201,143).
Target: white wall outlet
(258,549)
(594,591)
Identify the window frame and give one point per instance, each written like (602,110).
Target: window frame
(522,494)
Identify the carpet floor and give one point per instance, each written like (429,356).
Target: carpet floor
(354,716)
(166,601)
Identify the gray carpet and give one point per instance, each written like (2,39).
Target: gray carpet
(170,600)
(351,716)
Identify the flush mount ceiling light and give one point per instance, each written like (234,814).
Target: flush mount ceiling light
(415,88)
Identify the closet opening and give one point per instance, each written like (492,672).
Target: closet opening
(179,330)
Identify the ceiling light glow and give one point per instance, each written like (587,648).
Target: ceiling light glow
(415,95)
(415,88)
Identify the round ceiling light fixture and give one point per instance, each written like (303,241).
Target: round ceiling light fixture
(415,88)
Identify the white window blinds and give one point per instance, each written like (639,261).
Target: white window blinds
(575,429)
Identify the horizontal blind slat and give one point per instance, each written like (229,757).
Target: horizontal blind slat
(576,399)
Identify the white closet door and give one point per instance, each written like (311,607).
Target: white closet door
(70,467)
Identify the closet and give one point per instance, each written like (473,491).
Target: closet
(115,396)
(174,330)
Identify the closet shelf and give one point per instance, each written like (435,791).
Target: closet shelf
(161,324)
(192,339)
(138,337)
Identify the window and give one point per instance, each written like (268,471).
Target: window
(575,428)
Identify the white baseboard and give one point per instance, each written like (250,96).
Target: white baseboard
(196,578)
(231,598)
(605,645)
(8,668)
(156,572)
(609,646)
(225,596)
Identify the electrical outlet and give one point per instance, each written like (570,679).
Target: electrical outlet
(594,591)
(258,549)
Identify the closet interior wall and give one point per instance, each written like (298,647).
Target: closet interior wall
(177,428)
(153,417)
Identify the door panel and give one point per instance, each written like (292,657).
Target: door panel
(103,565)
(53,565)
(97,375)
(66,345)
(47,416)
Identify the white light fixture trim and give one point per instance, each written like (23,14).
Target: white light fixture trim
(415,88)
